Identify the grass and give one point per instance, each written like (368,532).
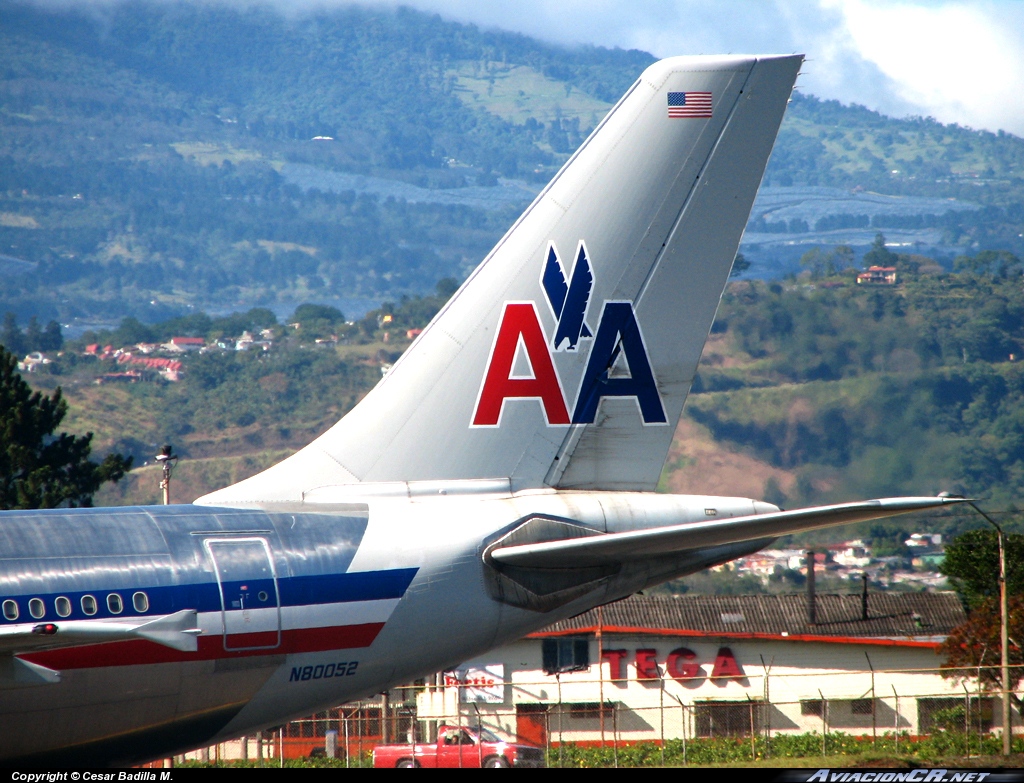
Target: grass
(191,479)
(801,750)
(848,146)
(784,400)
(14,220)
(213,154)
(516,93)
(878,760)
(109,412)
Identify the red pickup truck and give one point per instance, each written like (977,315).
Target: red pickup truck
(457,746)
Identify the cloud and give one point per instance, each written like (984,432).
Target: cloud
(959,60)
(956,60)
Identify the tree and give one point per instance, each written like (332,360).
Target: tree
(971,650)
(52,339)
(37,468)
(33,335)
(317,312)
(739,265)
(998,263)
(11,336)
(814,260)
(972,565)
(879,254)
(839,258)
(447,286)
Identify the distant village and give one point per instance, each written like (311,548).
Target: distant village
(163,361)
(853,560)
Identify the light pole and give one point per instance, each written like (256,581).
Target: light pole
(168,460)
(1004,634)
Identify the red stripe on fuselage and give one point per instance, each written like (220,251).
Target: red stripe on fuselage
(141,651)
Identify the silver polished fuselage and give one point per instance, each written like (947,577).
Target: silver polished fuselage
(297,609)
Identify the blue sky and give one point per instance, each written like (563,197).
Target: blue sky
(957,61)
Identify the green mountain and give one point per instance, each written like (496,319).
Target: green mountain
(160,156)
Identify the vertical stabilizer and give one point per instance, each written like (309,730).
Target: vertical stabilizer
(565,358)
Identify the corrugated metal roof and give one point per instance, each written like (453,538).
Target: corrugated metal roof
(890,615)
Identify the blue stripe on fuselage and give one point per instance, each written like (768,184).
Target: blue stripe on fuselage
(205,596)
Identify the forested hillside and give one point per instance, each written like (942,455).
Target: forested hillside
(826,391)
(162,156)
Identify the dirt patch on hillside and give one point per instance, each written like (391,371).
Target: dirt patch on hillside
(697,465)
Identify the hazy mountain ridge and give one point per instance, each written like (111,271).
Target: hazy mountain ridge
(145,151)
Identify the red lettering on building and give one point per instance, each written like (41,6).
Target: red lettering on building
(681,664)
(726,665)
(615,659)
(520,324)
(647,665)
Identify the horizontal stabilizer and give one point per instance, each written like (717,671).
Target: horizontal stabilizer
(642,544)
(178,631)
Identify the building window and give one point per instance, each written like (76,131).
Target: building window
(812,707)
(862,706)
(954,714)
(565,655)
(589,710)
(727,718)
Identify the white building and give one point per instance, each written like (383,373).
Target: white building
(697,666)
(853,554)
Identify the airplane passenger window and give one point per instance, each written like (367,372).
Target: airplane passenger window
(88,604)
(36,607)
(11,609)
(114,603)
(63,606)
(141,602)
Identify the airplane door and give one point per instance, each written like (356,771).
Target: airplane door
(250,603)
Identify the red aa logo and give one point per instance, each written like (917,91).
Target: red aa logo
(618,365)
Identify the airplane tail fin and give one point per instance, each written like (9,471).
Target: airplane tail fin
(565,358)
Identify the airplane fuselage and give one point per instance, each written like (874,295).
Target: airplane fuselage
(295,609)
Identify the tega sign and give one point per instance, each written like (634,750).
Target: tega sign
(521,364)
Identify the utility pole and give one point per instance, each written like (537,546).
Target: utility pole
(812,609)
(168,459)
(1004,658)
(600,668)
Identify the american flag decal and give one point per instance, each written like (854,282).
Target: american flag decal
(689,104)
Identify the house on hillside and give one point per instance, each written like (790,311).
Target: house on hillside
(878,275)
(852,554)
(184,344)
(33,362)
(924,540)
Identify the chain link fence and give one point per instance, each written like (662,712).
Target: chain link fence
(654,721)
